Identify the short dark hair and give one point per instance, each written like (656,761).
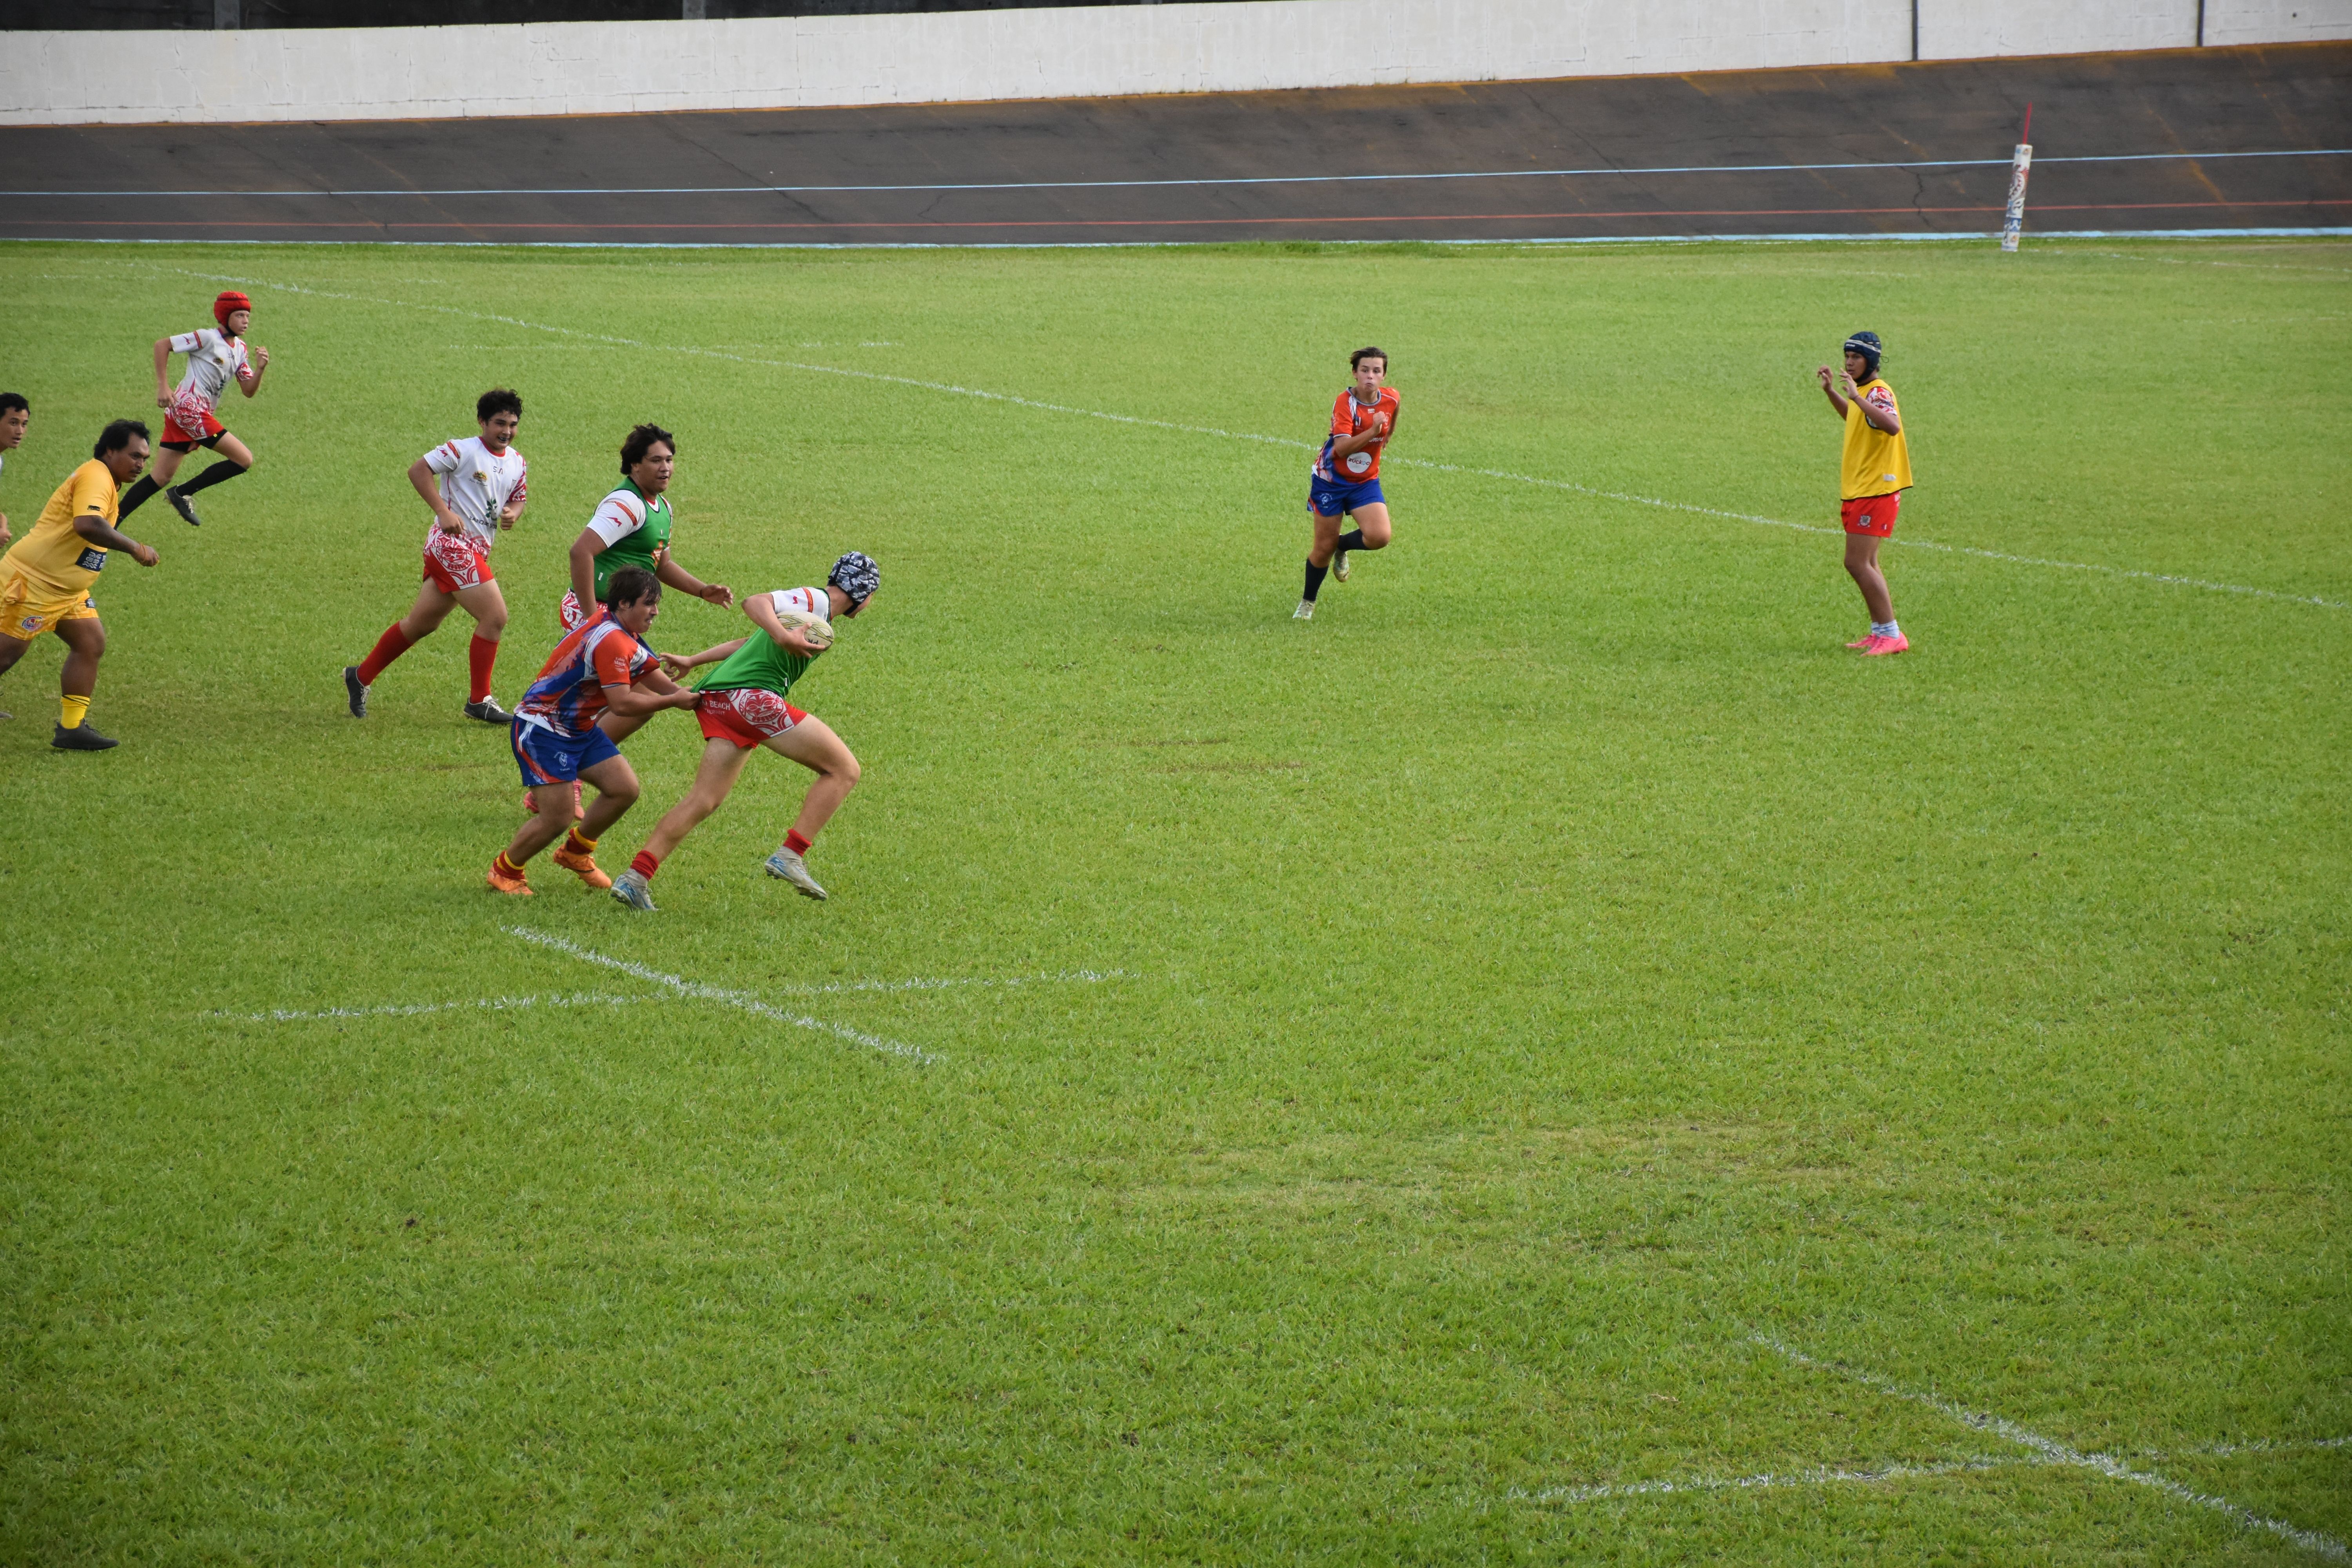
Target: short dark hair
(498,400)
(629,584)
(13,400)
(117,435)
(1360,355)
(641,441)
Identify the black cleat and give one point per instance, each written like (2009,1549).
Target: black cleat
(81,738)
(184,506)
(489,711)
(356,689)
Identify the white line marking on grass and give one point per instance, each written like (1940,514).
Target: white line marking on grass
(2057,1453)
(738,999)
(1824,1475)
(1068,977)
(1007,397)
(499,1004)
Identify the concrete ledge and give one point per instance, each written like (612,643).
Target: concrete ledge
(616,68)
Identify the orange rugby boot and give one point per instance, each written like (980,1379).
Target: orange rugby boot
(505,884)
(583,867)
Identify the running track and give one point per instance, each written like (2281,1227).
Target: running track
(2212,139)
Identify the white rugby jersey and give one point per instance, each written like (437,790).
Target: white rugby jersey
(215,359)
(479,483)
(809,601)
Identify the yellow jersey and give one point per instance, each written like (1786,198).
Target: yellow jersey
(1876,464)
(53,552)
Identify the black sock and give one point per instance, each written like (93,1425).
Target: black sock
(1354,540)
(1313,580)
(226,468)
(131,497)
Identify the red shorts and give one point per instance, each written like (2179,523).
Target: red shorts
(746,717)
(1873,515)
(453,561)
(175,434)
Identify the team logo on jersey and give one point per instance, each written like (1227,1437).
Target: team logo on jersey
(30,623)
(91,561)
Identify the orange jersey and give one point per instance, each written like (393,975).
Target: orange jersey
(1348,417)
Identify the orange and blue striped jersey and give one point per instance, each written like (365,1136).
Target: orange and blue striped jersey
(569,695)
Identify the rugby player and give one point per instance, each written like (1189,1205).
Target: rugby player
(744,706)
(631,527)
(1875,472)
(601,665)
(215,358)
(1346,479)
(45,578)
(476,486)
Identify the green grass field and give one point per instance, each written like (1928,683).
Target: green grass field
(1455,1041)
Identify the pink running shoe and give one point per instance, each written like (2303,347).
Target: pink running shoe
(1859,643)
(1873,646)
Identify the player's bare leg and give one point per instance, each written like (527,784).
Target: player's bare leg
(1861,565)
(814,745)
(714,780)
(11,650)
(553,817)
(85,641)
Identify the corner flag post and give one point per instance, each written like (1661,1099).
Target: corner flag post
(2020,163)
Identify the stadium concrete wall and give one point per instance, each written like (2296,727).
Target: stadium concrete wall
(608,68)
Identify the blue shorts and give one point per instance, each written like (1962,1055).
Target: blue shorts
(547,757)
(1329,498)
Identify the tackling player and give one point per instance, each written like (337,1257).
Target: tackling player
(215,359)
(1875,471)
(481,489)
(45,578)
(601,665)
(1346,479)
(744,706)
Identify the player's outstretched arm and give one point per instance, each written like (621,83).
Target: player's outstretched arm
(653,692)
(162,372)
(673,576)
(420,474)
(99,532)
(679,664)
(1829,379)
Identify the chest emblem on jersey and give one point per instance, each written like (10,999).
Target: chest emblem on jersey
(91,561)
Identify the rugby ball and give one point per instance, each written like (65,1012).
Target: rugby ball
(815,628)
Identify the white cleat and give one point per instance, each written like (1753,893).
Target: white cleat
(1306,611)
(630,888)
(1338,566)
(787,866)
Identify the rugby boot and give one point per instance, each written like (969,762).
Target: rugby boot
(1338,566)
(787,866)
(184,506)
(506,884)
(489,711)
(355,691)
(630,889)
(1306,611)
(583,867)
(1872,646)
(1860,642)
(82,737)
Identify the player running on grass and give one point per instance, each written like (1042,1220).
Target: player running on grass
(1346,479)
(602,666)
(744,706)
(215,358)
(481,489)
(45,577)
(1875,473)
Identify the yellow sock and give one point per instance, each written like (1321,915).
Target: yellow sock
(72,712)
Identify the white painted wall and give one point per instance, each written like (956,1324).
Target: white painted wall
(1091,51)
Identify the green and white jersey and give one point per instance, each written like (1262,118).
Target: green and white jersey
(763,662)
(632,528)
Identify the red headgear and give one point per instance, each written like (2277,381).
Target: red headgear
(230,299)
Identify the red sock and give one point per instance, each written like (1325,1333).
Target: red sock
(389,646)
(796,841)
(509,866)
(480,655)
(577,845)
(645,865)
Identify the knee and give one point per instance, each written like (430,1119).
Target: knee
(492,626)
(622,795)
(848,773)
(1377,536)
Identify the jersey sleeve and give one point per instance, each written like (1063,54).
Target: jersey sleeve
(442,459)
(616,519)
(1343,416)
(93,491)
(187,342)
(521,491)
(808,601)
(615,660)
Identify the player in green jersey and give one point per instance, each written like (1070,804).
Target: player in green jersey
(631,527)
(744,706)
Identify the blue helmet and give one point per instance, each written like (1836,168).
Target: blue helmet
(855,575)
(1867,345)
